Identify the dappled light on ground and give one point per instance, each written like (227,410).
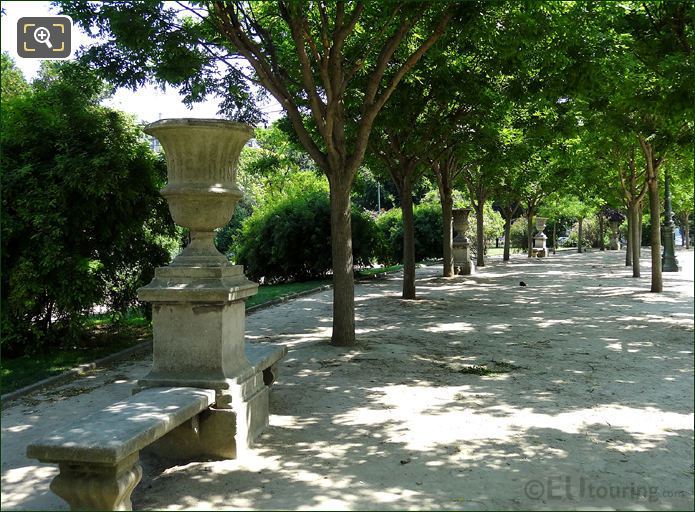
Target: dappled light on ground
(582,381)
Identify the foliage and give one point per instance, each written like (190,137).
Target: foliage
(427,220)
(272,170)
(83,222)
(289,240)
(11,79)
(590,234)
(518,233)
(371,192)
(493,226)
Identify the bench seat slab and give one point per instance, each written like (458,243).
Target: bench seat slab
(99,458)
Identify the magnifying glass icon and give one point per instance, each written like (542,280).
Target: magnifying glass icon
(43,36)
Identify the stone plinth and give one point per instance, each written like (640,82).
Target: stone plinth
(461,245)
(198,310)
(540,239)
(614,244)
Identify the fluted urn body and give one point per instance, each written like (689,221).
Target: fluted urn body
(540,223)
(460,222)
(201,156)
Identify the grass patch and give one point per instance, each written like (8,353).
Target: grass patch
(99,341)
(365,272)
(494,368)
(266,293)
(134,318)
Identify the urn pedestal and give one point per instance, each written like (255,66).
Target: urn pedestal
(540,239)
(198,301)
(461,245)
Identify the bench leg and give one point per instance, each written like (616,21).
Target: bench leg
(88,486)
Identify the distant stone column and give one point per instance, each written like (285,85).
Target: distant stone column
(461,245)
(615,235)
(198,301)
(540,239)
(669,262)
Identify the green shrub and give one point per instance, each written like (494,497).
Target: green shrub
(493,227)
(427,224)
(518,234)
(291,240)
(590,234)
(82,219)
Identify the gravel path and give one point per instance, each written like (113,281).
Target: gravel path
(575,391)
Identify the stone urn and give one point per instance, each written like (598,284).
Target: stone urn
(540,239)
(615,235)
(461,245)
(201,156)
(540,223)
(198,301)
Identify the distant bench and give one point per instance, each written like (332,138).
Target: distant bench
(98,457)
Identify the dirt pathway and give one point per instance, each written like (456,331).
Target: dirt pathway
(575,391)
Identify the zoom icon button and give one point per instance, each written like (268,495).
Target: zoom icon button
(45,37)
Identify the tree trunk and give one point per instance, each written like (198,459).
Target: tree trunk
(601,230)
(580,234)
(555,237)
(655,234)
(343,276)
(640,212)
(635,239)
(529,227)
(507,241)
(480,233)
(628,246)
(447,223)
(408,240)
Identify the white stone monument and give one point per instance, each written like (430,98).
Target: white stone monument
(461,245)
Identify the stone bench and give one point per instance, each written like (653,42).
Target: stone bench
(98,456)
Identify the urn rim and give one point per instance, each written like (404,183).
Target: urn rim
(193,122)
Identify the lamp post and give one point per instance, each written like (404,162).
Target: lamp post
(669,263)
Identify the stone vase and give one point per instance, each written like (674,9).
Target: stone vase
(461,244)
(198,301)
(540,238)
(201,156)
(614,244)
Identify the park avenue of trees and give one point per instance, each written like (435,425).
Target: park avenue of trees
(567,110)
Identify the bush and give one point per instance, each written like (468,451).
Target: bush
(291,240)
(590,234)
(83,222)
(518,234)
(493,227)
(427,221)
